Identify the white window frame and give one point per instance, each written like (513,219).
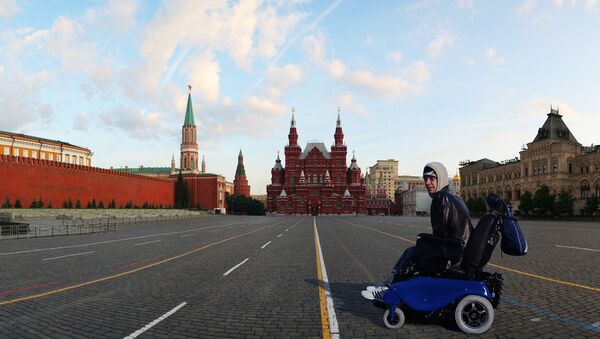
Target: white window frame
(25,153)
(6,150)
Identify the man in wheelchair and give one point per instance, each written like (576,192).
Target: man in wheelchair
(434,253)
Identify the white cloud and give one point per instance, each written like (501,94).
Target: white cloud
(137,124)
(347,103)
(273,30)
(493,56)
(337,69)
(437,46)
(8,8)
(559,3)
(313,45)
(590,4)
(411,81)
(22,104)
(116,14)
(81,122)
(203,74)
(284,77)
(1,69)
(537,107)
(265,105)
(245,31)
(395,56)
(526,6)
(465,3)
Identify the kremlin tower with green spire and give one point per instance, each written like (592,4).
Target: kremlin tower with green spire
(189,146)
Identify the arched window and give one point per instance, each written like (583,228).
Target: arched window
(339,178)
(598,190)
(292,179)
(585,190)
(315,179)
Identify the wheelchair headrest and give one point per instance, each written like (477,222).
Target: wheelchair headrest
(495,201)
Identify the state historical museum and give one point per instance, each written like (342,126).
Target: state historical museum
(315,180)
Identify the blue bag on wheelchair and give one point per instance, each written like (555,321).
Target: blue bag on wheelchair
(513,241)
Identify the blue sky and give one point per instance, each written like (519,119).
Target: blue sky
(416,81)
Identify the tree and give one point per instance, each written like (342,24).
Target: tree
(591,206)
(78,204)
(18,203)
(543,201)
(182,195)
(70,203)
(34,204)
(526,205)
(564,203)
(476,206)
(94,203)
(6,203)
(239,204)
(112,204)
(49,204)
(101,204)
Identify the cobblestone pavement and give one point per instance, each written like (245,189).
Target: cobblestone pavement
(111,285)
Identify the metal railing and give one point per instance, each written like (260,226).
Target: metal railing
(82,226)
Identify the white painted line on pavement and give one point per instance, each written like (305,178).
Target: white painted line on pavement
(147,242)
(265,245)
(68,255)
(287,229)
(150,325)
(115,240)
(279,236)
(578,248)
(187,235)
(236,266)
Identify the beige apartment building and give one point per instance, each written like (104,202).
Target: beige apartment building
(554,158)
(384,172)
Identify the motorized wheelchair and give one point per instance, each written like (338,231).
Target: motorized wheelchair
(431,287)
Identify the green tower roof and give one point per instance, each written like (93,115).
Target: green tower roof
(189,113)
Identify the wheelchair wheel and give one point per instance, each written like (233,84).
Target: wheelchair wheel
(474,314)
(393,321)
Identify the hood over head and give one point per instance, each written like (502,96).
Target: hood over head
(440,173)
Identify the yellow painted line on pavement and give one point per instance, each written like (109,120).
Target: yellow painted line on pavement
(91,282)
(378,231)
(494,265)
(322,299)
(546,278)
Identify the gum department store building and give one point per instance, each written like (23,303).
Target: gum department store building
(554,158)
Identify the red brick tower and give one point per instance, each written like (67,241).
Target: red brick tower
(189,146)
(240,183)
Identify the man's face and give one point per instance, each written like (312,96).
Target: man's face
(430,184)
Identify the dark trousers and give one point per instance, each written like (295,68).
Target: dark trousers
(408,255)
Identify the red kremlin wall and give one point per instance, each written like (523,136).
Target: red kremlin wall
(31,179)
